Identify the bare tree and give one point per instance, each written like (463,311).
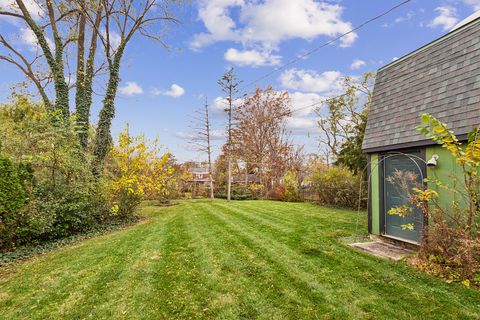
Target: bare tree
(124,18)
(54,57)
(202,140)
(86,70)
(81,24)
(230,86)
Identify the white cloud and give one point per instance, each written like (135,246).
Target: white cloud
(156,91)
(404,18)
(304,104)
(217,134)
(131,88)
(175,91)
(215,16)
(266,24)
(301,125)
(273,21)
(357,64)
(395,58)
(190,135)
(220,104)
(251,58)
(114,38)
(446,18)
(475,4)
(306,80)
(28,38)
(33,7)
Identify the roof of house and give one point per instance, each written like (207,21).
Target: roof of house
(199,170)
(441,78)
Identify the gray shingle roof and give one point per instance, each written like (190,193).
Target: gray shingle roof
(442,78)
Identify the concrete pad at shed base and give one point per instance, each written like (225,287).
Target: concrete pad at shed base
(383,250)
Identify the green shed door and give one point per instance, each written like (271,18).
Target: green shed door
(394,196)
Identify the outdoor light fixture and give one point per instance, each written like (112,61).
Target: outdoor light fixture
(433,161)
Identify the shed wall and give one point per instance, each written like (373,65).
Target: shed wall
(446,171)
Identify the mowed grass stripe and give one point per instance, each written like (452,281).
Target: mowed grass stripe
(228,280)
(271,214)
(286,264)
(332,259)
(304,211)
(252,259)
(286,288)
(177,280)
(132,291)
(273,279)
(76,279)
(310,275)
(304,221)
(45,286)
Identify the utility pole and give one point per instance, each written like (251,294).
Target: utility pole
(229,84)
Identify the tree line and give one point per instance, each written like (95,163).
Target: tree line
(259,144)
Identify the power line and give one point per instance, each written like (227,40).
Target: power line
(320,102)
(411,71)
(325,44)
(316,49)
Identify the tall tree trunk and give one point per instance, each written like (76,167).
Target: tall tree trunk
(209,150)
(61,86)
(229,155)
(83,100)
(80,90)
(103,138)
(54,62)
(246,174)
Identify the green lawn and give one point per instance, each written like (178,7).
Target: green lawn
(251,259)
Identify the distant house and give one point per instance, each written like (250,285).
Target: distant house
(441,78)
(201,175)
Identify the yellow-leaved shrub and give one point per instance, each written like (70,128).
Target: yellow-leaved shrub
(139,169)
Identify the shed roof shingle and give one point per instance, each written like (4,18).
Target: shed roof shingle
(442,78)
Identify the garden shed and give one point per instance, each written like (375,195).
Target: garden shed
(441,78)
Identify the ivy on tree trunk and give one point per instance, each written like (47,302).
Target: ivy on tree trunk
(85,74)
(54,62)
(103,138)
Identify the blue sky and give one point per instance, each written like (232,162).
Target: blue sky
(161,88)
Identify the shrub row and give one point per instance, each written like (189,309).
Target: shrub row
(47,188)
(335,186)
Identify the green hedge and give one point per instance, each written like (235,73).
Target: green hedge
(238,192)
(13,198)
